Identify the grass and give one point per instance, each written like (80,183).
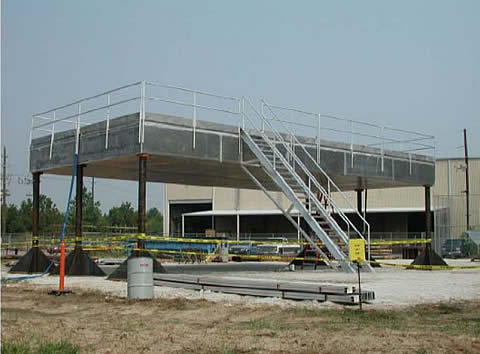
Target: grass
(262,324)
(42,347)
(129,325)
(450,318)
(206,327)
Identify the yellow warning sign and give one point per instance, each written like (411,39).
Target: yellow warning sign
(357,250)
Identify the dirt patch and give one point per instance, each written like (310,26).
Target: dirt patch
(99,323)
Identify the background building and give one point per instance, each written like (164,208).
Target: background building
(393,213)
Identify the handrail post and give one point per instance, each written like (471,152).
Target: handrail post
(194,118)
(274,154)
(383,144)
(318,137)
(351,141)
(309,197)
(329,196)
(107,127)
(410,163)
(240,125)
(243,113)
(140,114)
(368,235)
(31,130)
(144,88)
(263,117)
(77,142)
(53,133)
(293,151)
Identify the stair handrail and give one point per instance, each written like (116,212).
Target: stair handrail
(285,163)
(329,180)
(311,195)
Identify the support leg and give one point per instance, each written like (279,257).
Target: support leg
(142,196)
(428,257)
(359,201)
(78,262)
(36,209)
(34,261)
(121,271)
(35,266)
(79,207)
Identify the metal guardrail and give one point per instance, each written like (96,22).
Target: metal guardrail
(331,186)
(131,98)
(354,132)
(140,96)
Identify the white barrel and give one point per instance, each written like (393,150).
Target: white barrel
(140,278)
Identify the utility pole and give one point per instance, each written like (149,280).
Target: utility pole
(93,191)
(4,190)
(467,189)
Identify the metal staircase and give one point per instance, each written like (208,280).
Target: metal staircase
(276,153)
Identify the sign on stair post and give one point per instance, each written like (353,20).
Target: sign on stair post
(356,248)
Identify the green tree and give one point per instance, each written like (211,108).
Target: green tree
(154,221)
(50,218)
(15,222)
(124,215)
(92,216)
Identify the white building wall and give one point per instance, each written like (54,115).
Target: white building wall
(450,180)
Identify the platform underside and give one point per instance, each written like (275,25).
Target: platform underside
(215,160)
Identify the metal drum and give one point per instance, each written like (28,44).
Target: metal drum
(140,278)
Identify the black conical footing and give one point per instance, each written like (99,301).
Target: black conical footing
(302,262)
(121,272)
(34,261)
(78,262)
(429,258)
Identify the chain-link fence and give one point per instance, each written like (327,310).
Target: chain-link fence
(450,217)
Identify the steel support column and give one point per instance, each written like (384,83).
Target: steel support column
(428,257)
(238,226)
(365,203)
(34,261)
(359,201)
(79,206)
(428,216)
(36,209)
(142,196)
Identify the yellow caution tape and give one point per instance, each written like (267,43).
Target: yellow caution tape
(104,248)
(400,242)
(134,237)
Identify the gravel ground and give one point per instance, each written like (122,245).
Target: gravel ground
(393,286)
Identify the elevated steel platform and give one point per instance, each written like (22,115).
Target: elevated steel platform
(215,159)
(231,142)
(196,140)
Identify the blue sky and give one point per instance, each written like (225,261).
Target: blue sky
(406,64)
